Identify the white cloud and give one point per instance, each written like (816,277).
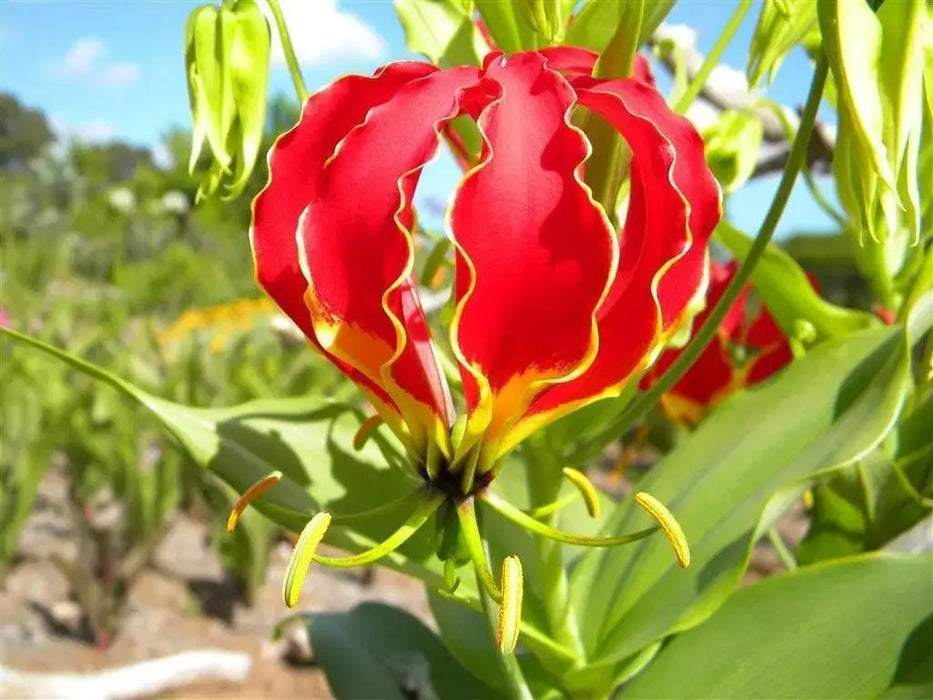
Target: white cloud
(119,74)
(82,57)
(93,131)
(85,61)
(98,130)
(321,33)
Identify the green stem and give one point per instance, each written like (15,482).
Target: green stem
(510,669)
(553,585)
(466,512)
(712,59)
(289,50)
(522,519)
(649,398)
(784,554)
(393,542)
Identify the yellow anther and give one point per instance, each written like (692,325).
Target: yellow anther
(510,607)
(808,499)
(586,489)
(366,427)
(250,495)
(301,558)
(668,524)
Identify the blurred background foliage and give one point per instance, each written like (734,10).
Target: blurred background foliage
(104,252)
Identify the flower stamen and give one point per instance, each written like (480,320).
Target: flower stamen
(365,430)
(586,489)
(302,556)
(510,607)
(669,525)
(250,495)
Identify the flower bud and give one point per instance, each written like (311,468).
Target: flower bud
(227,65)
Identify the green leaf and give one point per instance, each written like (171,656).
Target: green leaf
(308,439)
(466,634)
(597,21)
(733,143)
(781,26)
(509,25)
(378,651)
(787,292)
(865,506)
(442,30)
(729,480)
(851,628)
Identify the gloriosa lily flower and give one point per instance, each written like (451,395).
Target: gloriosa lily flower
(745,351)
(553,308)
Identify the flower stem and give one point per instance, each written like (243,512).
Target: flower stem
(289,50)
(649,398)
(712,59)
(511,670)
(544,484)
(466,512)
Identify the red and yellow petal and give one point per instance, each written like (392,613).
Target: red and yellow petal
(674,206)
(296,163)
(535,253)
(355,248)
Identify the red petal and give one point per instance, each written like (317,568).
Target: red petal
(575,61)
(673,208)
(295,166)
(357,249)
(535,253)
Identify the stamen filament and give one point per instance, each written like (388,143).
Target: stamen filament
(524,520)
(365,430)
(392,542)
(586,489)
(250,495)
(474,542)
(417,494)
(552,507)
(669,525)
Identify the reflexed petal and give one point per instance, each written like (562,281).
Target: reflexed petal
(296,163)
(356,249)
(535,254)
(673,208)
(574,61)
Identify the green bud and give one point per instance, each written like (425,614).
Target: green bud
(733,143)
(782,24)
(882,147)
(227,66)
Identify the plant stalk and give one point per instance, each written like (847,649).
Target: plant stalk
(511,670)
(300,90)
(713,57)
(649,398)
(544,485)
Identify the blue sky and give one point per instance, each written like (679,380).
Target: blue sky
(105,70)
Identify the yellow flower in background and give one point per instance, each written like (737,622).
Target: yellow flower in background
(222,321)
